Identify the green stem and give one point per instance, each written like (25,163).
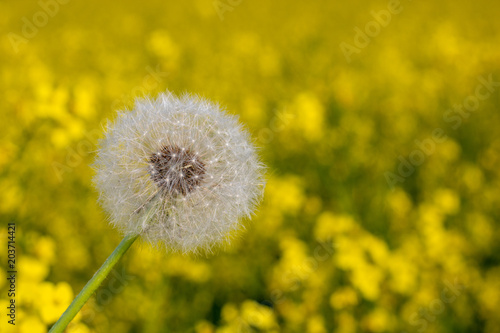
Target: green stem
(93,284)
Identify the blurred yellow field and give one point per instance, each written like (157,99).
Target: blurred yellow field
(378,122)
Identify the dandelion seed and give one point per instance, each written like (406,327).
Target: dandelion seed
(166,169)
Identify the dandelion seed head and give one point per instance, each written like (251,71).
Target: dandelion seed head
(179,171)
(180,165)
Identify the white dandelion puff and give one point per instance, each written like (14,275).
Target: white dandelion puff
(179,172)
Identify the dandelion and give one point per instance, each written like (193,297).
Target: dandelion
(178,172)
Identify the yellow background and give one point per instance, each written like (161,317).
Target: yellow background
(332,248)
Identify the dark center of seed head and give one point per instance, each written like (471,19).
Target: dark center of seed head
(176,170)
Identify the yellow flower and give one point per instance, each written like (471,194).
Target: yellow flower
(204,327)
(257,315)
(346,323)
(161,44)
(285,194)
(310,116)
(32,269)
(32,325)
(447,200)
(316,324)
(76,327)
(367,278)
(343,297)
(378,320)
(329,225)
(53,300)
(45,249)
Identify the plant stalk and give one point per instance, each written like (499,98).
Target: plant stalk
(93,284)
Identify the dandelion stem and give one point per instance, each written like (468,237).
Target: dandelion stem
(93,284)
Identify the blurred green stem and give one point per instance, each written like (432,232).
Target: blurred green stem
(93,284)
